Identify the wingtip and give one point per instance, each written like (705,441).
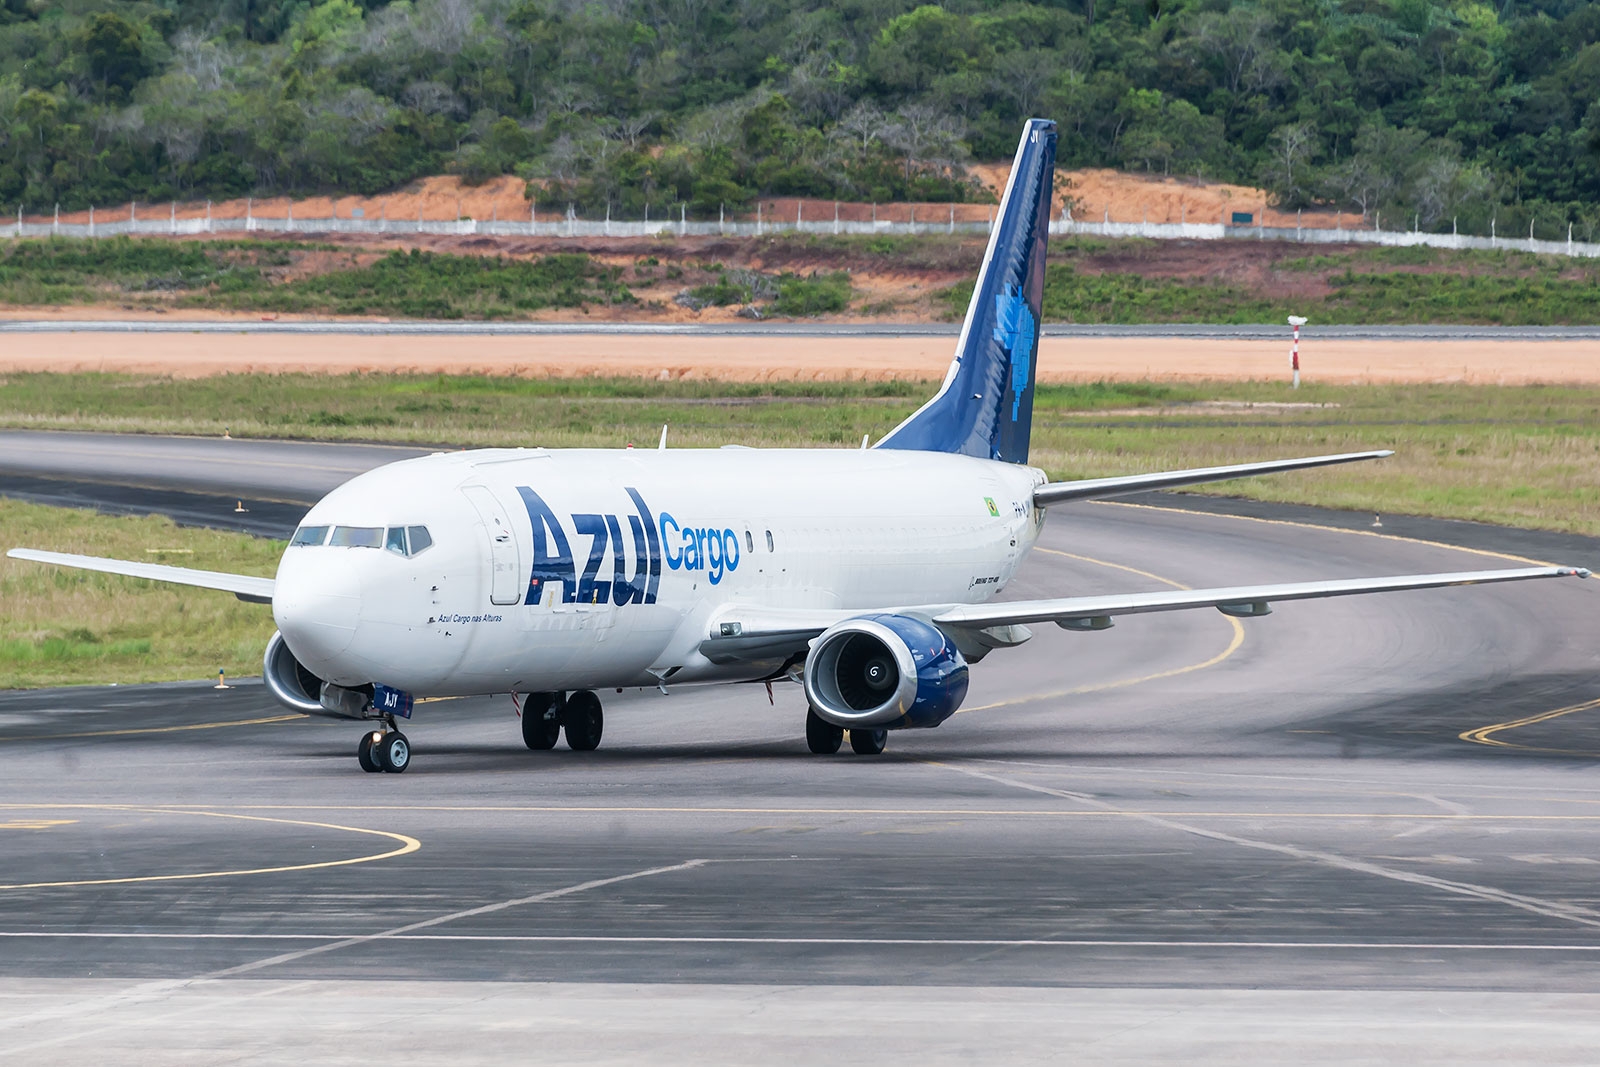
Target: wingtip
(1384,453)
(1578,572)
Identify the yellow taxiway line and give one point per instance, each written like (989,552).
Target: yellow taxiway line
(406,844)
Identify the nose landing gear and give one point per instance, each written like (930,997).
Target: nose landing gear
(384,750)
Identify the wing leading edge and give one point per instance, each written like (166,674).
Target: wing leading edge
(768,636)
(1095,612)
(1100,488)
(243,586)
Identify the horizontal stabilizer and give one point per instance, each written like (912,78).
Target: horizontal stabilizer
(243,586)
(1100,488)
(1239,601)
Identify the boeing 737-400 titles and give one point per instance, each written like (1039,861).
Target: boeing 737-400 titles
(867,575)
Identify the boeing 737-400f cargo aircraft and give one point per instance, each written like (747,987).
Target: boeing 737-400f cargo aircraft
(868,575)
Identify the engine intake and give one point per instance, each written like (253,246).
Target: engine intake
(885,672)
(289,681)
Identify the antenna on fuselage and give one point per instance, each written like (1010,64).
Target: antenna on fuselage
(864,439)
(662,447)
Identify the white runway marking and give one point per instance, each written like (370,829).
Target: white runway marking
(1552,909)
(536,898)
(933,942)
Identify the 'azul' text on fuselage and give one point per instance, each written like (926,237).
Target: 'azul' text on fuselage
(634,576)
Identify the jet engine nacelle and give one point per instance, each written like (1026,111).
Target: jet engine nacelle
(289,681)
(885,672)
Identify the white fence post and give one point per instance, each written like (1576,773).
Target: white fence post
(173,217)
(55,226)
(208,217)
(91,224)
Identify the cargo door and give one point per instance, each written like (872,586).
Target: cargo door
(505,558)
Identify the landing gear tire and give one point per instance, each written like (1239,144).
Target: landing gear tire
(583,721)
(366,754)
(541,721)
(822,737)
(394,752)
(868,742)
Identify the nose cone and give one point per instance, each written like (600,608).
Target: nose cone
(316,602)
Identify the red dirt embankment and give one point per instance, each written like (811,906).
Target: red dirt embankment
(1095,192)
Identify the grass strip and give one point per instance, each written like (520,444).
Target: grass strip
(64,627)
(1522,456)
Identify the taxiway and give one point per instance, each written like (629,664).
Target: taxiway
(1362,829)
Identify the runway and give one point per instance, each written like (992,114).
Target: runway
(1188,836)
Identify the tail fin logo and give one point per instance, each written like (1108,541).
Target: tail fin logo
(984,408)
(1014,328)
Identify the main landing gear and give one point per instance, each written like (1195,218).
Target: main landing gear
(545,715)
(384,749)
(824,738)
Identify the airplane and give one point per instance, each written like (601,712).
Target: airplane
(867,575)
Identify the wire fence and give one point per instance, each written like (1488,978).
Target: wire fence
(568,225)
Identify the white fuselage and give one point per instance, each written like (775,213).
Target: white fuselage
(491,606)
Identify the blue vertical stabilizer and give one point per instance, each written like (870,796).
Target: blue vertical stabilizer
(985,406)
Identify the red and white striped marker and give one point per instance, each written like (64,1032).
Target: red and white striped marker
(1295,321)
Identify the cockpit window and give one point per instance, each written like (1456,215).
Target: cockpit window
(396,540)
(420,538)
(357,537)
(309,535)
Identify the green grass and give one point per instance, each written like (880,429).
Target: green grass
(1365,286)
(1526,456)
(63,627)
(250,276)
(1371,298)
(429,285)
(1087,280)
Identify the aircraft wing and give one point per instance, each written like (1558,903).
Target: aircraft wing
(243,586)
(1100,488)
(1095,612)
(777,639)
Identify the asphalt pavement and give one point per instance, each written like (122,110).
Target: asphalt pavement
(1360,830)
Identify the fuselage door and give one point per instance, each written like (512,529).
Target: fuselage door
(505,559)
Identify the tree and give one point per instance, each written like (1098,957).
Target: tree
(114,48)
(1293,145)
(1380,166)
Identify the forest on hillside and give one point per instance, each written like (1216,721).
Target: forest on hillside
(1432,113)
